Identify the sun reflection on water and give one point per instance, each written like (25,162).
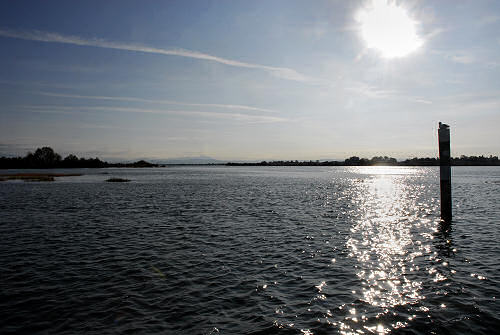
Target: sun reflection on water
(382,243)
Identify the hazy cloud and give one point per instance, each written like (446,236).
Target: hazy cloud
(458,56)
(375,93)
(462,59)
(488,19)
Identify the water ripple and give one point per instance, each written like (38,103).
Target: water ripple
(250,251)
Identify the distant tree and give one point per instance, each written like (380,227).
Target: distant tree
(43,158)
(142,163)
(354,160)
(379,160)
(70,161)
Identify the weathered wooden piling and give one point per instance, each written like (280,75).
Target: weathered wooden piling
(445,171)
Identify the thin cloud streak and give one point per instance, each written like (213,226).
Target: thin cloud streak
(163,102)
(43,36)
(219,115)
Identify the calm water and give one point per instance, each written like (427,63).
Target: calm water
(261,250)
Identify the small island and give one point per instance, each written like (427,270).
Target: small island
(117,180)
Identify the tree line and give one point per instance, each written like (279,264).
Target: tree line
(47,158)
(382,160)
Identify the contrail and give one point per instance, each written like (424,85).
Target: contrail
(75,109)
(162,102)
(51,37)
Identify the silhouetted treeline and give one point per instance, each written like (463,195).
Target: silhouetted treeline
(420,162)
(138,164)
(455,161)
(352,161)
(288,163)
(475,160)
(46,158)
(379,160)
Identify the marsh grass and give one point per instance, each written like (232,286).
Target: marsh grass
(36,176)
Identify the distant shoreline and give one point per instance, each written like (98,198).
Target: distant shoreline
(46,158)
(462,161)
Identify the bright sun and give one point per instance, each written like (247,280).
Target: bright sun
(388,28)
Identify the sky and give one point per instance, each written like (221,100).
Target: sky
(249,80)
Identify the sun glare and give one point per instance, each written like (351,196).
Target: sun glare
(388,28)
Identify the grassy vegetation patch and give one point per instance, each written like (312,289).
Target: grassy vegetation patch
(36,176)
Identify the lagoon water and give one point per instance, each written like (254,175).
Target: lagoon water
(251,250)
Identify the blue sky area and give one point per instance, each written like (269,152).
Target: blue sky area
(245,80)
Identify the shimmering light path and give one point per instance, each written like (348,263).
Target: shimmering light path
(390,235)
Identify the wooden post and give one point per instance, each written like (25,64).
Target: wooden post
(445,171)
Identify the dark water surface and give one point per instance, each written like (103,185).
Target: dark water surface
(262,250)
